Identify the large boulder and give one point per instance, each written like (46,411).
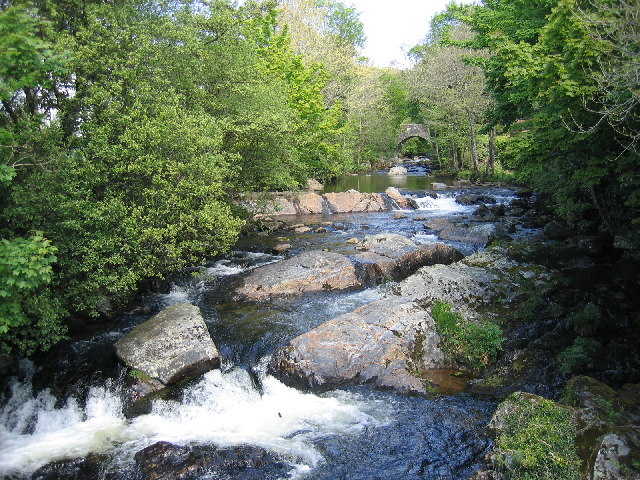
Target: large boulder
(353,202)
(310,203)
(468,285)
(394,194)
(312,271)
(172,346)
(474,199)
(390,255)
(385,343)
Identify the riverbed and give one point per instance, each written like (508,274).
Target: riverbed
(69,405)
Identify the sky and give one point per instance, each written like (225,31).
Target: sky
(393,27)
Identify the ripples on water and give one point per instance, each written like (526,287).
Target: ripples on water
(351,433)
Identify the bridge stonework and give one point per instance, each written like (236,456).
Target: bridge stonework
(410,130)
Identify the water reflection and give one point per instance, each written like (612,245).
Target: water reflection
(380,181)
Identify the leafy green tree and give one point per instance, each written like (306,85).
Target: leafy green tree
(543,56)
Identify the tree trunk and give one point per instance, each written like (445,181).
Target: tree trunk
(437,144)
(474,146)
(491,162)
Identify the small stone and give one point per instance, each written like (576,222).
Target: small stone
(281,248)
(398,216)
(302,230)
(353,241)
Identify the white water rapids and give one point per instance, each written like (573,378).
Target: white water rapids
(223,409)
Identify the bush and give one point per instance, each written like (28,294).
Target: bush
(580,356)
(466,343)
(536,440)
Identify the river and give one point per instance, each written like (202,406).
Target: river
(69,404)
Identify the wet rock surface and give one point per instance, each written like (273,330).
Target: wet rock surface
(374,344)
(165,461)
(308,272)
(464,232)
(172,346)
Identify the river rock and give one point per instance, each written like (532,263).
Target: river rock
(439,186)
(173,345)
(353,202)
(394,194)
(397,171)
(466,284)
(556,230)
(281,248)
(476,233)
(86,468)
(375,344)
(474,199)
(165,461)
(310,203)
(311,271)
(391,255)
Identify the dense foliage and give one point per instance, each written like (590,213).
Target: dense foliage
(560,72)
(127,128)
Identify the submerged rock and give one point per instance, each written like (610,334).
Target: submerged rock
(383,343)
(312,271)
(172,346)
(475,199)
(165,461)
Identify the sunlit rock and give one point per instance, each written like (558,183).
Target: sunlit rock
(394,256)
(312,271)
(397,171)
(353,201)
(172,346)
(384,343)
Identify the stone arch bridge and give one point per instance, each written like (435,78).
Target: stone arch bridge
(411,130)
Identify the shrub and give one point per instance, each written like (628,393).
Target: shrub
(466,343)
(536,440)
(579,357)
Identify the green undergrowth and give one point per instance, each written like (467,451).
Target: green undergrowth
(537,440)
(465,343)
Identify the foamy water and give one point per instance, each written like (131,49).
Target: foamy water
(223,409)
(443,205)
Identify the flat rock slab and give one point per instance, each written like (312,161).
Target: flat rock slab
(308,272)
(173,345)
(390,255)
(375,344)
(352,201)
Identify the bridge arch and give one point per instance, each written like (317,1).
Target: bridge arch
(412,130)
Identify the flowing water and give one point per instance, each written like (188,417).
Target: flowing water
(70,405)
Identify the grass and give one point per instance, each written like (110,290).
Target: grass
(466,343)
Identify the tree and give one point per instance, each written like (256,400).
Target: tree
(451,89)
(541,74)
